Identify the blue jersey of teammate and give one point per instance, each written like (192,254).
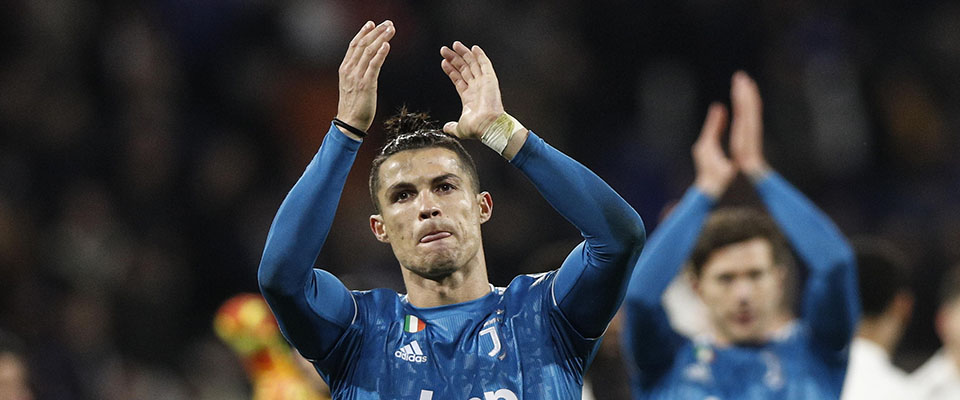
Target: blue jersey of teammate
(531,340)
(806,360)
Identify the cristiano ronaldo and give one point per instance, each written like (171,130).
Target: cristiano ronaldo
(453,335)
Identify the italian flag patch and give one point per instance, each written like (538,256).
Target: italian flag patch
(412,324)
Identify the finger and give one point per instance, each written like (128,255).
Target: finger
(454,75)
(373,48)
(372,36)
(713,126)
(450,128)
(457,61)
(373,70)
(748,88)
(747,105)
(468,57)
(358,42)
(445,52)
(365,41)
(452,57)
(486,67)
(355,42)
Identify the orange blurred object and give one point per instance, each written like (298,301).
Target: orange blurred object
(245,323)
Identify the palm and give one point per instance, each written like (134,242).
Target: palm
(479,108)
(472,73)
(359,72)
(746,131)
(714,169)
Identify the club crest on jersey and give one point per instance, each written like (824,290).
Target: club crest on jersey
(490,330)
(411,353)
(773,378)
(699,371)
(704,353)
(412,324)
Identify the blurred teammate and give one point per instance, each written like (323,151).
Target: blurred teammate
(244,323)
(740,262)
(14,377)
(887,302)
(939,377)
(453,335)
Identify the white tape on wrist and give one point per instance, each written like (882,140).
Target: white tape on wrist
(498,134)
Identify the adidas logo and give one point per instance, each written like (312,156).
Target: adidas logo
(411,353)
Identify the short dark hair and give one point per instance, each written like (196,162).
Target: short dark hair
(413,131)
(882,272)
(732,225)
(950,286)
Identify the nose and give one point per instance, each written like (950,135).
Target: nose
(743,290)
(428,207)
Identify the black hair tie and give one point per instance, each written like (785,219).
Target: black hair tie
(351,129)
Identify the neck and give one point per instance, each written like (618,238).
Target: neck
(777,324)
(881,331)
(781,321)
(469,282)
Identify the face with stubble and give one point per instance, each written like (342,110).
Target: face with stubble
(429,212)
(742,288)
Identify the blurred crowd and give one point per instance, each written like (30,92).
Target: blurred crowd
(146,145)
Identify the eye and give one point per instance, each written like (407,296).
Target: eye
(445,187)
(401,196)
(756,274)
(725,278)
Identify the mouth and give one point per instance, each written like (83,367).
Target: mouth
(434,236)
(743,318)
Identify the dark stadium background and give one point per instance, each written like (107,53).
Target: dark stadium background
(147,144)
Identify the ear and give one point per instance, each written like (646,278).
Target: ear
(485,201)
(695,283)
(780,272)
(376,225)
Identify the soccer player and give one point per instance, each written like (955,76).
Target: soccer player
(453,335)
(939,377)
(740,261)
(887,303)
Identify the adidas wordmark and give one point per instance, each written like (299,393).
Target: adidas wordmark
(411,352)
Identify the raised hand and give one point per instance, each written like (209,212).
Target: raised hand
(746,130)
(714,170)
(359,72)
(472,73)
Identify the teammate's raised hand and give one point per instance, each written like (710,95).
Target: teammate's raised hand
(714,169)
(472,73)
(746,129)
(359,72)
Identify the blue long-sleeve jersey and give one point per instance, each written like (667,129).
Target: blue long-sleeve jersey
(806,361)
(532,339)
